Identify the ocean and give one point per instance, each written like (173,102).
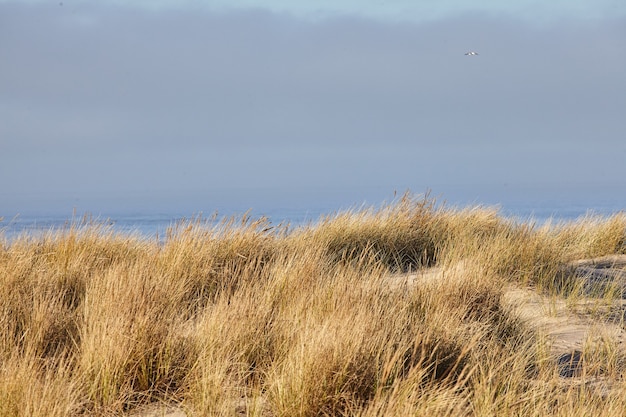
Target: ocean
(155,224)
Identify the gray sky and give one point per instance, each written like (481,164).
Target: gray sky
(178,106)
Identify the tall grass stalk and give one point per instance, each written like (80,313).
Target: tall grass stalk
(251,318)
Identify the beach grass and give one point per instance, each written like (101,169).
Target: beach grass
(248,318)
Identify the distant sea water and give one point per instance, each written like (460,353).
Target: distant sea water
(148,226)
(155,225)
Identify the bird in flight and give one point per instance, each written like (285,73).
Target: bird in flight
(471,53)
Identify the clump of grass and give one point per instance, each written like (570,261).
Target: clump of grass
(525,252)
(210,260)
(244,317)
(400,236)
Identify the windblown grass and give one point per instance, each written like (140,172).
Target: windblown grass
(251,319)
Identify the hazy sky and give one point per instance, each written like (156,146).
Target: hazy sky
(191,106)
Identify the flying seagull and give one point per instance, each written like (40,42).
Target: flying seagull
(471,53)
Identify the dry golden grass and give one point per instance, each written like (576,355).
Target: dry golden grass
(248,319)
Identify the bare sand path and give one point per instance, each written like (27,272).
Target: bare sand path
(590,320)
(588,316)
(571,326)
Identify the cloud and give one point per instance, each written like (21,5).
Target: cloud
(116,100)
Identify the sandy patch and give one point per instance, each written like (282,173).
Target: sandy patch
(571,325)
(585,322)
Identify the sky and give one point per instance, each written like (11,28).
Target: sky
(190,106)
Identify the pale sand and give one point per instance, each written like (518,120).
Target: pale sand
(569,326)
